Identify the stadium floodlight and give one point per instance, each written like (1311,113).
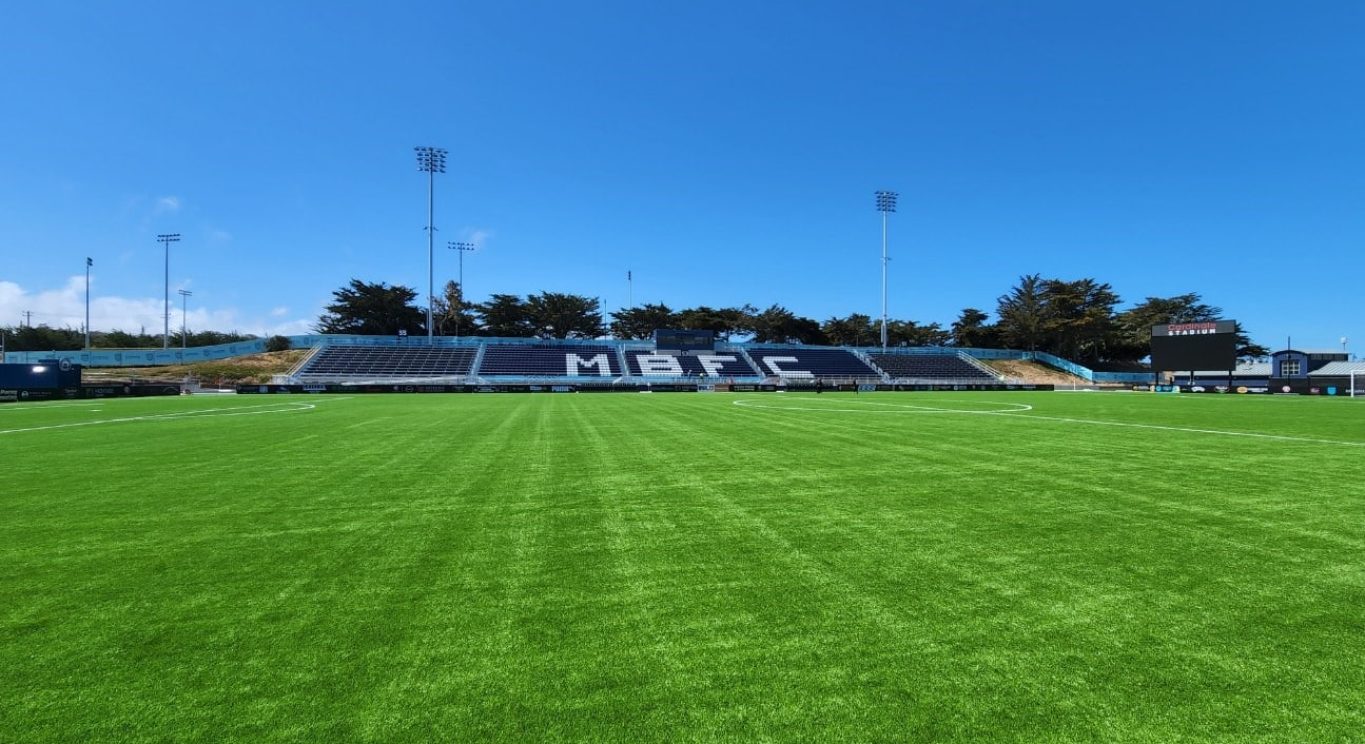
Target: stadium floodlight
(886,204)
(462,248)
(183,326)
(166,239)
(430,160)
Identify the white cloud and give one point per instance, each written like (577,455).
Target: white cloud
(65,308)
(290,328)
(479,236)
(167,205)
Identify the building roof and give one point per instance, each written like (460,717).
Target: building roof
(1244,369)
(1338,369)
(1316,352)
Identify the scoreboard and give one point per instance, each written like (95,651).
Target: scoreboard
(677,340)
(1187,347)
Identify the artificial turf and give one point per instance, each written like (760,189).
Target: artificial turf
(669,567)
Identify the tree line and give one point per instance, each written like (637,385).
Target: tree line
(1074,319)
(47,338)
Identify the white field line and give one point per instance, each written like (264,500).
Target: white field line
(201,413)
(882,407)
(15,407)
(1183,429)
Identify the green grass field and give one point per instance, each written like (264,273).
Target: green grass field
(909,567)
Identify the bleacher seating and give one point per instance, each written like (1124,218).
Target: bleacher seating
(808,363)
(387,361)
(698,364)
(549,360)
(947,366)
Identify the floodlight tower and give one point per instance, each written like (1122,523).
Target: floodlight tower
(462,248)
(886,204)
(430,160)
(184,293)
(166,239)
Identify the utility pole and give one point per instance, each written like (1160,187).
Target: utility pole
(886,204)
(88,263)
(166,240)
(28,318)
(183,326)
(630,289)
(430,160)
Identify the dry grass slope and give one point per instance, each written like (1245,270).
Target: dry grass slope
(251,368)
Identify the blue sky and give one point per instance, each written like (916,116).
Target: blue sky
(725,152)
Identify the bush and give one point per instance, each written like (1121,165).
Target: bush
(277,343)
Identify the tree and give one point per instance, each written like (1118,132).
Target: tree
(558,315)
(854,330)
(910,333)
(372,309)
(452,314)
(117,339)
(1023,314)
(43,338)
(1246,350)
(724,322)
(970,330)
(641,322)
(779,325)
(504,315)
(1079,318)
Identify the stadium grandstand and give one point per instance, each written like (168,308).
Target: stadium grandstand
(503,360)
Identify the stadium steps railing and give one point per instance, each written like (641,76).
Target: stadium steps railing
(312,352)
(475,365)
(743,352)
(978,364)
(868,361)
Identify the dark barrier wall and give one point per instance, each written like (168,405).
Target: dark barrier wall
(46,375)
(642,387)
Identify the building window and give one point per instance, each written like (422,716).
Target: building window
(1289,368)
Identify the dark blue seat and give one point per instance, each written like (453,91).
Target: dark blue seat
(798,363)
(388,361)
(946,366)
(645,363)
(549,360)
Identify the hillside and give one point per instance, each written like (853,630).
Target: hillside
(1034,373)
(251,368)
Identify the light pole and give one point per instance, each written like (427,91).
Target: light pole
(166,240)
(88,263)
(430,160)
(463,248)
(886,204)
(184,333)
